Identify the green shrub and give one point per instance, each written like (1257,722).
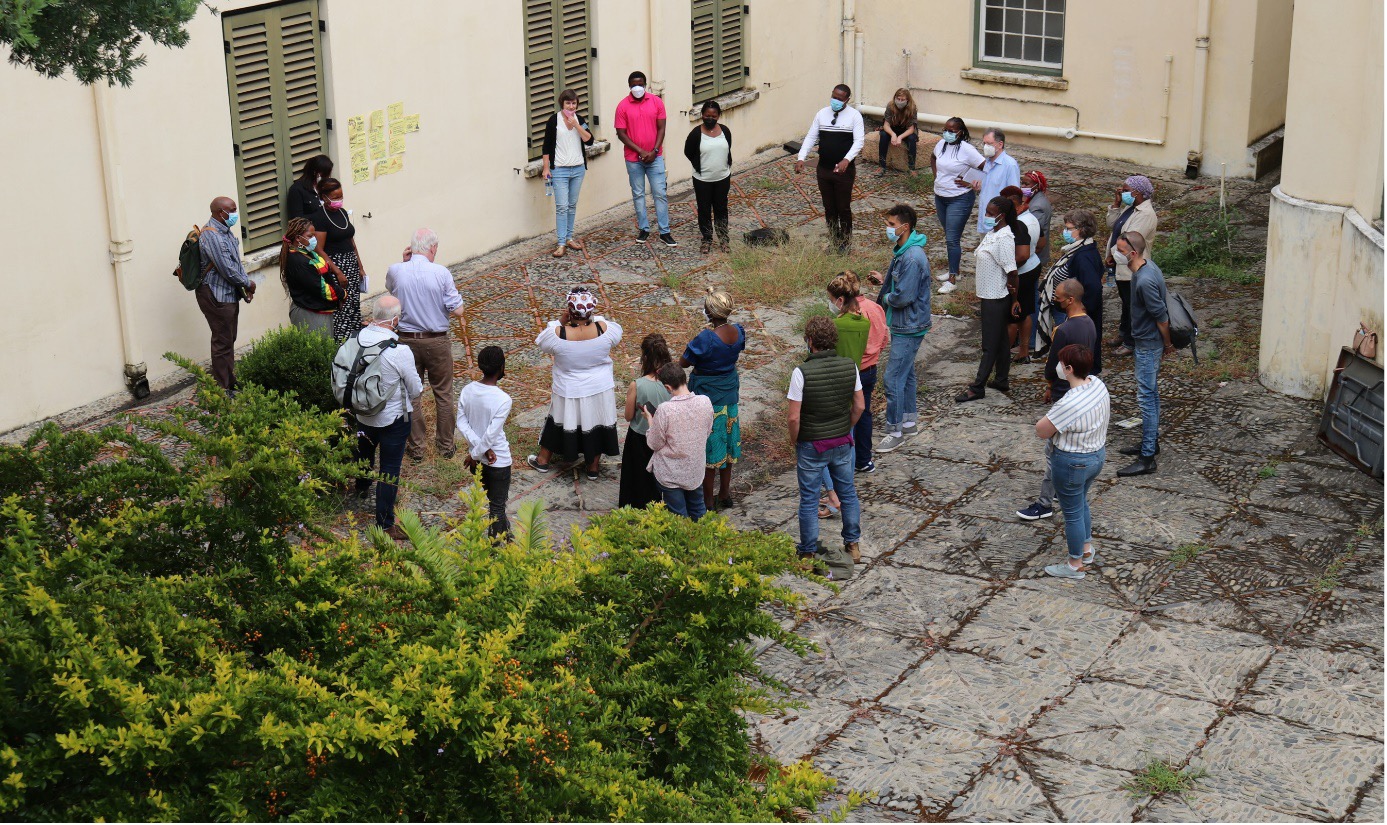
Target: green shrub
(283,677)
(292,359)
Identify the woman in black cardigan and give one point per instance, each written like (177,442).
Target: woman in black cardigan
(564,152)
(709,148)
(303,195)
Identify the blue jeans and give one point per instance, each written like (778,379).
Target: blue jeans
(1074,474)
(637,173)
(953,216)
(681,502)
(901,387)
(1148,365)
(862,430)
(390,440)
(567,181)
(809,466)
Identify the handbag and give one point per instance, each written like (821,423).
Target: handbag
(1365,342)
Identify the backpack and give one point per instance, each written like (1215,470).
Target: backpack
(1184,324)
(357,383)
(190,269)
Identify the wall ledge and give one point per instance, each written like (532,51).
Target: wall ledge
(1365,228)
(731,100)
(599,147)
(1303,203)
(1038,81)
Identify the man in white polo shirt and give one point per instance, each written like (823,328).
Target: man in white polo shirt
(428,297)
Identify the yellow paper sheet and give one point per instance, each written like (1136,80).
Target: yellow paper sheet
(390,166)
(411,123)
(361,166)
(378,145)
(356,132)
(395,111)
(397,128)
(377,120)
(397,145)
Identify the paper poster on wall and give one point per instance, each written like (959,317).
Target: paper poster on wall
(378,145)
(356,132)
(377,120)
(397,145)
(411,123)
(395,111)
(390,166)
(361,166)
(397,128)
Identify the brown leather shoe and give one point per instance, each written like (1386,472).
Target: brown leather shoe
(854,550)
(558,252)
(397,533)
(574,243)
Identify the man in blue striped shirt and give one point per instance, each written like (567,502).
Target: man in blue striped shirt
(223,275)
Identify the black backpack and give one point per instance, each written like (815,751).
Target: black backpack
(190,270)
(1184,324)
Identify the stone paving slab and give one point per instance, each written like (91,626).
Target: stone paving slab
(1196,661)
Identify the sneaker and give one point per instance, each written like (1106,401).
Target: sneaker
(724,245)
(1064,571)
(890,443)
(642,236)
(1091,557)
(947,288)
(448,454)
(1122,351)
(944,276)
(909,430)
(668,239)
(1036,511)
(705,246)
(869,467)
(533,461)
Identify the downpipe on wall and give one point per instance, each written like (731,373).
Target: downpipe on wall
(121,246)
(1201,71)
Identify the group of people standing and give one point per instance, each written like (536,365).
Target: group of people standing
(684,427)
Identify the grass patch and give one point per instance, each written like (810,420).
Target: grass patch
(770,184)
(1329,581)
(952,304)
(1232,357)
(1186,553)
(920,183)
(775,275)
(1159,778)
(1269,470)
(671,280)
(1202,246)
(437,476)
(1367,529)
(814,310)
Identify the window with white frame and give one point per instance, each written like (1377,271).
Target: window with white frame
(1021,34)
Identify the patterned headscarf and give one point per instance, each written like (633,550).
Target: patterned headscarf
(718,305)
(1141,184)
(1040,181)
(581,304)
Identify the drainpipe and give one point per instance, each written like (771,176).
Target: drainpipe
(1165,118)
(857,65)
(1019,128)
(849,38)
(121,246)
(1201,71)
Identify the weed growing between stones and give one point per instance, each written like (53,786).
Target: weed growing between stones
(1202,246)
(814,310)
(1327,583)
(1186,553)
(774,275)
(1159,778)
(770,184)
(1269,470)
(920,184)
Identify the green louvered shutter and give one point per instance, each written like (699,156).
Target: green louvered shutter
(557,55)
(718,63)
(274,70)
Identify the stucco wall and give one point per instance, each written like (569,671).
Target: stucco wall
(1271,63)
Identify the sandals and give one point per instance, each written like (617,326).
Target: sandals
(827,510)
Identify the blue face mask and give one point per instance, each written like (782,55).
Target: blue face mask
(989,223)
(232,218)
(891,233)
(312,243)
(836,105)
(1068,236)
(950,137)
(1127,198)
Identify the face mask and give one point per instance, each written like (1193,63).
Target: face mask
(891,233)
(1062,372)
(988,150)
(335,204)
(950,137)
(312,243)
(834,309)
(1027,191)
(638,92)
(232,218)
(709,122)
(1068,236)
(1127,199)
(1122,260)
(900,103)
(989,223)
(836,105)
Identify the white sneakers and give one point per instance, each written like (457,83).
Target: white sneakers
(943,276)
(947,288)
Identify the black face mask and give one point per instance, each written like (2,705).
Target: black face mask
(709,122)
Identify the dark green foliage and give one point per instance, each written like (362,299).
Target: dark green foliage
(94,39)
(1202,246)
(292,359)
(249,671)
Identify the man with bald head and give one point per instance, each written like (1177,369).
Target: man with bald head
(387,430)
(1076,328)
(224,283)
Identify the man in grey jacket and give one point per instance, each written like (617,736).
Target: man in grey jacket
(905,295)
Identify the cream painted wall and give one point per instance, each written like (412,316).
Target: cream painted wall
(1271,64)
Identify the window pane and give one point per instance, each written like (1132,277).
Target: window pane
(992,45)
(1035,23)
(1015,4)
(1015,21)
(992,19)
(1055,5)
(1054,52)
(1034,50)
(1011,50)
(1035,4)
(1054,25)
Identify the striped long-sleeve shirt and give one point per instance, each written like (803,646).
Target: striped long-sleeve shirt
(222,249)
(839,136)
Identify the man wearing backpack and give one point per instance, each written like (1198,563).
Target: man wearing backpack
(217,295)
(1151,332)
(388,429)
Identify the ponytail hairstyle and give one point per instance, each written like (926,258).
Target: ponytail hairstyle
(296,228)
(327,185)
(1008,210)
(654,353)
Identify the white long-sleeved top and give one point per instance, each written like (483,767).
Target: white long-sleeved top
(838,138)
(399,373)
(482,413)
(581,368)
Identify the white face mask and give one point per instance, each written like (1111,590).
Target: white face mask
(1122,260)
(834,309)
(988,150)
(900,103)
(638,92)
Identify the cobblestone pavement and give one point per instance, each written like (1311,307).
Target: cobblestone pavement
(1235,620)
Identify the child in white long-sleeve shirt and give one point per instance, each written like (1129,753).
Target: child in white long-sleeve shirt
(483,409)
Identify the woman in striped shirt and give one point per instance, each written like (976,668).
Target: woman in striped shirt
(1077,426)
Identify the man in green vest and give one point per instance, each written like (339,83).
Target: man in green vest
(825,402)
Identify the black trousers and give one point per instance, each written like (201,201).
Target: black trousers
(1124,324)
(836,190)
(996,344)
(496,482)
(911,144)
(712,206)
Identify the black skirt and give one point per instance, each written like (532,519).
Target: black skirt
(637,483)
